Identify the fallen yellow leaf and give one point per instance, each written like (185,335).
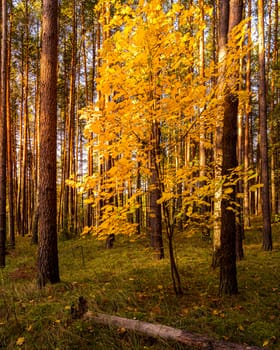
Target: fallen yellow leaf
(241,328)
(20,341)
(265,343)
(29,328)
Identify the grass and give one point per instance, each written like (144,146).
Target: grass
(127,281)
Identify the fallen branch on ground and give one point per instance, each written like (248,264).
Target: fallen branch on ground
(168,333)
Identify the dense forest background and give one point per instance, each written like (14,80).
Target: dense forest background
(163,128)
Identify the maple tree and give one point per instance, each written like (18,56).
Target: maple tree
(152,100)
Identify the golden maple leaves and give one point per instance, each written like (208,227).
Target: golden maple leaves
(149,72)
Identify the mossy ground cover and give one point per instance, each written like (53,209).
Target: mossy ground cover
(127,281)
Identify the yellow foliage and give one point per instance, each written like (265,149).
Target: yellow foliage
(149,74)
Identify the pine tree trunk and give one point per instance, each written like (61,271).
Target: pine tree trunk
(3,135)
(246,202)
(265,195)
(35,216)
(230,16)
(10,159)
(228,274)
(218,147)
(68,202)
(273,124)
(48,270)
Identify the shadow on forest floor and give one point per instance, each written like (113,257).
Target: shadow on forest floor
(127,281)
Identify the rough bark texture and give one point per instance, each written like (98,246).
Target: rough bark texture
(228,274)
(3,136)
(47,253)
(218,151)
(192,341)
(265,195)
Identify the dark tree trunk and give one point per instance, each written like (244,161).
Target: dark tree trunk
(3,136)
(48,270)
(247,126)
(154,213)
(228,273)
(139,201)
(155,218)
(10,159)
(265,195)
(218,151)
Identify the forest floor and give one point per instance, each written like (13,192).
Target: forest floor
(127,281)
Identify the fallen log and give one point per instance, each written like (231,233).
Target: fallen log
(194,341)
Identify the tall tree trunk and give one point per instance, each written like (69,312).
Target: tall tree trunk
(35,217)
(10,162)
(246,202)
(23,182)
(3,135)
(239,200)
(265,195)
(21,145)
(69,165)
(48,270)
(273,122)
(223,18)
(228,275)
(202,149)
(87,97)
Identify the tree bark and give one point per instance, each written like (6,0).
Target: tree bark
(265,195)
(273,123)
(10,144)
(223,20)
(48,270)
(69,165)
(246,202)
(3,135)
(228,273)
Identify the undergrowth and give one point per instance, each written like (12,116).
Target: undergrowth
(127,281)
